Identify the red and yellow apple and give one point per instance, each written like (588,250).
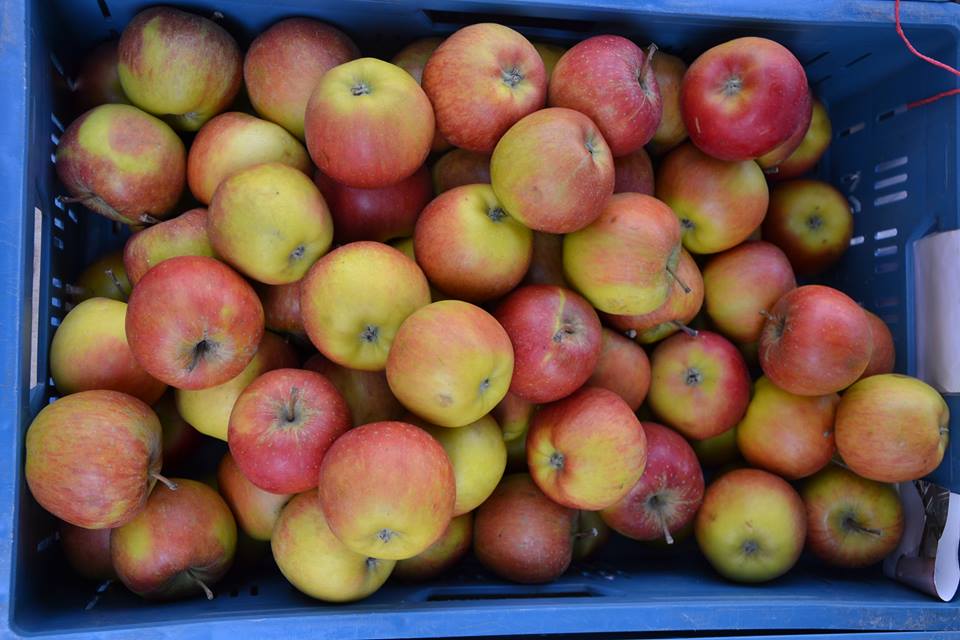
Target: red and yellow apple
(884,355)
(185,235)
(814,144)
(87,551)
(281,308)
(633,173)
(441,555)
(412,59)
(669,71)
(623,367)
(366,392)
(256,511)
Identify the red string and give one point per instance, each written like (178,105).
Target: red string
(936,63)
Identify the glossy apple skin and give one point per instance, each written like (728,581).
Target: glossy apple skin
(181,536)
(451,363)
(633,173)
(98,81)
(375,138)
(186,301)
(719,204)
(469,246)
(458,167)
(443,554)
(623,367)
(815,341)
(743,98)
(481,80)
(122,163)
(586,451)
(387,489)
(314,561)
(814,144)
(609,79)
(178,65)
(281,308)
(105,277)
(256,511)
(666,497)
(281,427)
(620,262)
(380,214)
(89,351)
(355,299)
(412,59)
(87,551)
(884,356)
(791,436)
(669,71)
(521,535)
(553,170)
(556,338)
(92,457)
(751,526)
(185,235)
(699,385)
(892,428)
(546,264)
(366,392)
(284,64)
(852,522)
(811,221)
(740,283)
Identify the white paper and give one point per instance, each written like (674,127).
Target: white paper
(937,306)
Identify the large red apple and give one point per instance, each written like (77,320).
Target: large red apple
(459,167)
(633,173)
(884,355)
(623,367)
(366,392)
(815,340)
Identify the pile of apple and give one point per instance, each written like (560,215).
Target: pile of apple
(426,332)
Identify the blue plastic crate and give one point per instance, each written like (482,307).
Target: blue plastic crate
(899,166)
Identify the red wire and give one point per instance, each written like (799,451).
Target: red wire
(936,63)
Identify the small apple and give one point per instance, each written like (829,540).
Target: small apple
(366,392)
(884,355)
(412,59)
(814,144)
(633,173)
(106,277)
(98,81)
(255,510)
(458,167)
(441,555)
(281,308)
(513,414)
(669,71)
(550,54)
(718,451)
(87,551)
(185,235)
(623,368)
(546,263)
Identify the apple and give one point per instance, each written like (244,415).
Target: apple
(255,510)
(208,410)
(106,277)
(458,167)
(669,71)
(884,355)
(368,124)
(179,65)
(285,63)
(699,384)
(521,535)
(513,414)
(441,555)
(387,490)
(815,340)
(892,428)
(122,163)
(185,235)
(270,222)
(550,54)
(625,262)
(193,323)
(814,144)
(89,351)
(366,392)
(87,551)
(478,456)
(314,561)
(354,300)
(181,543)
(450,363)
(633,173)
(751,526)
(92,457)
(556,338)
(592,533)
(233,141)
(719,203)
(546,263)
(718,451)
(610,79)
(98,81)
(481,80)
(412,59)
(811,221)
(770,160)
(851,521)
(553,171)
(587,450)
(178,438)
(675,314)
(743,98)
(623,367)
(380,214)
(469,246)
(281,308)
(742,282)
(666,497)
(790,435)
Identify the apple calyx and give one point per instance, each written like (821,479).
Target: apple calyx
(167,482)
(850,524)
(372,564)
(361,88)
(693,377)
(814,222)
(385,536)
(511,77)
(566,329)
(201,350)
(556,460)
(496,214)
(200,583)
(370,333)
(732,86)
(750,547)
(297,253)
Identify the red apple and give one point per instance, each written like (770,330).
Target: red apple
(546,264)
(281,308)
(459,167)
(743,98)
(522,535)
(513,414)
(556,338)
(193,323)
(633,173)
(814,144)
(87,551)
(412,59)
(623,367)
(815,340)
(255,510)
(98,81)
(884,355)
(375,214)
(481,80)
(610,79)
(185,235)
(668,494)
(669,71)
(699,384)
(771,159)
(553,171)
(441,555)
(366,392)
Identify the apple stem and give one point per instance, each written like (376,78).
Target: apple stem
(680,282)
(146,218)
(591,533)
(648,60)
(167,482)
(72,199)
(101,588)
(630,333)
(769,316)
(663,525)
(693,333)
(116,281)
(206,590)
